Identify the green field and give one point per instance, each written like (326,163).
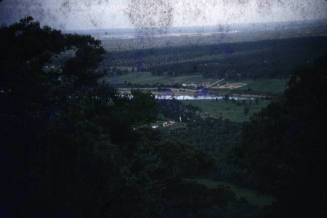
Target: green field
(237,111)
(267,86)
(262,86)
(146,78)
(232,110)
(252,197)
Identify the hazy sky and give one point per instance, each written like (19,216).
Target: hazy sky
(85,14)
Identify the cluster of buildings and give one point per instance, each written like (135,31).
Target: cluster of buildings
(195,85)
(164,124)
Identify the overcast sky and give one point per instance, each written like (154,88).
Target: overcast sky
(95,14)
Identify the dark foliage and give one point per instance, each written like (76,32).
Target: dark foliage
(176,110)
(73,148)
(284,145)
(196,200)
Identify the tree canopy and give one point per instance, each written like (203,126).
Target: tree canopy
(72,147)
(284,145)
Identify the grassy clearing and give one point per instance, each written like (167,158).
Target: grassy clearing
(147,78)
(266,86)
(232,110)
(263,86)
(252,197)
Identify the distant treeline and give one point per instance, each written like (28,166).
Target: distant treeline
(243,60)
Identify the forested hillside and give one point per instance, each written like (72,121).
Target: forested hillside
(285,147)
